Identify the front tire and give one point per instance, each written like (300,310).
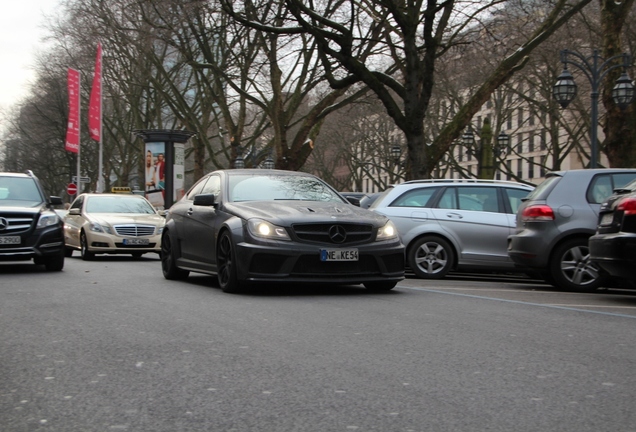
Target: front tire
(169,261)
(86,254)
(226,265)
(572,270)
(55,263)
(431,257)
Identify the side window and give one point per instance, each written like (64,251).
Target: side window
(213,186)
(478,199)
(77,203)
(621,180)
(196,189)
(600,188)
(514,198)
(415,198)
(448,199)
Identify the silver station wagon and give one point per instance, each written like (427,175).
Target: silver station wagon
(454,224)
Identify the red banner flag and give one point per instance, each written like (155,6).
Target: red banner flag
(73,125)
(95,102)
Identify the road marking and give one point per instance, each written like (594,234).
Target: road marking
(519,302)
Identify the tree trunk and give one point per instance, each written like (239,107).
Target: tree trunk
(620,125)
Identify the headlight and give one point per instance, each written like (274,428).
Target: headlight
(264,229)
(47,219)
(159,230)
(95,227)
(387,232)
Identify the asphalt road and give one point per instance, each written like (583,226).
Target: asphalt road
(110,345)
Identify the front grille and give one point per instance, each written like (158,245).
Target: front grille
(15,223)
(324,233)
(134,230)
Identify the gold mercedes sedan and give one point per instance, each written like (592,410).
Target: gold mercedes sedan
(112,224)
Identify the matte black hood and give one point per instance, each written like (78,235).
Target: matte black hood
(284,212)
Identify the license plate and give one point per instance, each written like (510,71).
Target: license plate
(10,240)
(338,254)
(136,242)
(607,219)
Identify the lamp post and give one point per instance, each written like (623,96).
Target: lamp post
(595,69)
(484,151)
(239,162)
(396,152)
(269,162)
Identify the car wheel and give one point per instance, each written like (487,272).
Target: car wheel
(226,265)
(572,270)
(380,285)
(56,262)
(169,261)
(86,254)
(431,257)
(68,252)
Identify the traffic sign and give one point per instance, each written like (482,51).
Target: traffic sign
(82,179)
(71,189)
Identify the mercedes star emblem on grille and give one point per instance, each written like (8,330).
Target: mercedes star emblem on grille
(3,224)
(337,234)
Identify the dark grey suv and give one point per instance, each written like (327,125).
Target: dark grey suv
(29,227)
(555,222)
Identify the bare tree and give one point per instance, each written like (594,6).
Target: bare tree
(393,48)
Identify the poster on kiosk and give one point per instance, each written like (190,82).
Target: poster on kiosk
(155,169)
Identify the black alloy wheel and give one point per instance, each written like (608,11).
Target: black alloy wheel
(168,260)
(226,265)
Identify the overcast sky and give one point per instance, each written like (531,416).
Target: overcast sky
(21,31)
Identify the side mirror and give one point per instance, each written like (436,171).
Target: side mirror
(204,200)
(354,201)
(74,211)
(56,200)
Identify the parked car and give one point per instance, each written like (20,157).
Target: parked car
(556,221)
(613,247)
(251,225)
(110,223)
(453,224)
(29,226)
(367,200)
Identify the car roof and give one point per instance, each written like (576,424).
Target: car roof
(476,182)
(588,172)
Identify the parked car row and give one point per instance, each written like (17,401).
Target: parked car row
(576,230)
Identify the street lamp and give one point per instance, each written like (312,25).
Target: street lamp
(239,162)
(503,143)
(396,152)
(269,162)
(595,69)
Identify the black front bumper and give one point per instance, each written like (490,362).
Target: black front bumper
(301,263)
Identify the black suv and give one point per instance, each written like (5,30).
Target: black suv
(29,227)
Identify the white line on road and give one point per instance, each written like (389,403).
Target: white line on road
(519,302)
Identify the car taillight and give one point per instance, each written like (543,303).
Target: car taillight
(537,213)
(627,205)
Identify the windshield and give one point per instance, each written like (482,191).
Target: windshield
(118,204)
(19,191)
(263,187)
